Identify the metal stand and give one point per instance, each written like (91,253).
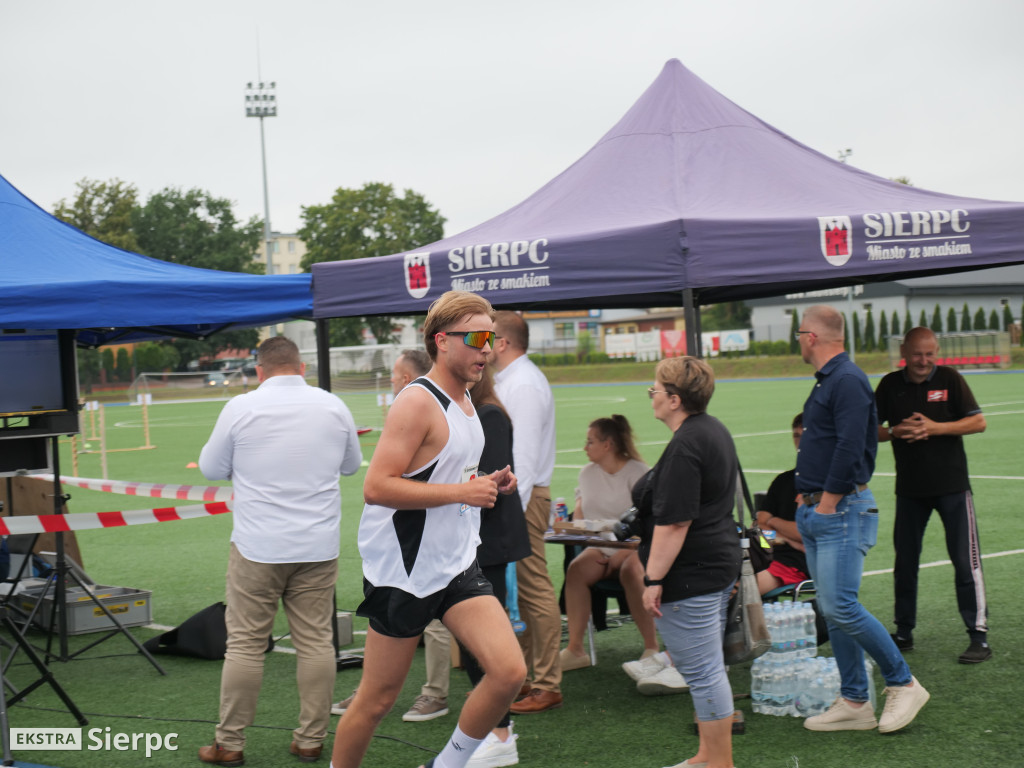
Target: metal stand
(59,579)
(45,676)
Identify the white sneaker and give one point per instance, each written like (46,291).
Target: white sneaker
(902,704)
(494,753)
(646,667)
(664,683)
(841,716)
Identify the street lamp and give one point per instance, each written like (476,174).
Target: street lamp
(261,101)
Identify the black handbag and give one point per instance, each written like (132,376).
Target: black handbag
(201,636)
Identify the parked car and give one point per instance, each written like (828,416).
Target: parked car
(215,380)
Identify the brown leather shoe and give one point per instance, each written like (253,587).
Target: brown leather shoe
(524,690)
(306,754)
(536,701)
(216,754)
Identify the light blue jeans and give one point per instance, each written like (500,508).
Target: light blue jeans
(836,546)
(693,630)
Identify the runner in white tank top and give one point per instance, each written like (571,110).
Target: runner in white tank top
(421,550)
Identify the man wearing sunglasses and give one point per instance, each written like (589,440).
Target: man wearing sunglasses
(418,538)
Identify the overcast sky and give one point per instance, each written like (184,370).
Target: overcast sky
(477,104)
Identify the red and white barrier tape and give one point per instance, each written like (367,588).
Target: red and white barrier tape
(82,521)
(206,493)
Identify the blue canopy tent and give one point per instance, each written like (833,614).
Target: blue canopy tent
(54,276)
(688,200)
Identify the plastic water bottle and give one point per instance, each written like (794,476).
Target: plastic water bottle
(810,631)
(757,684)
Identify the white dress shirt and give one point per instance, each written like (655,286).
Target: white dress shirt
(526,395)
(283,446)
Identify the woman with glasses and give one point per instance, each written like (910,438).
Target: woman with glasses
(689,547)
(603,494)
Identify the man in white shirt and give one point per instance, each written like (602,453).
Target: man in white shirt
(283,446)
(527,397)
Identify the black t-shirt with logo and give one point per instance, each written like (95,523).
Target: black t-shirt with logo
(936,466)
(694,480)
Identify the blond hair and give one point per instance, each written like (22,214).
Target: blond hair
(448,310)
(689,378)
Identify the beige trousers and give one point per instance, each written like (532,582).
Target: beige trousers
(307,592)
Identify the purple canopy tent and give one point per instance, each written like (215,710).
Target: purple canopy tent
(688,199)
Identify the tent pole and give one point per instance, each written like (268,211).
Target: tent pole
(691,315)
(323,356)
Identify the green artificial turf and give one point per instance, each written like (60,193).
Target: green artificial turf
(973,717)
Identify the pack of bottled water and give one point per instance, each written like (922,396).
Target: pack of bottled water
(791,679)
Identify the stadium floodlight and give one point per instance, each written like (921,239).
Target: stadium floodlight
(261,102)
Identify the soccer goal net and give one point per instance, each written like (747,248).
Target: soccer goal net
(190,385)
(361,376)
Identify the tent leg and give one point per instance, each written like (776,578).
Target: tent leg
(691,315)
(323,356)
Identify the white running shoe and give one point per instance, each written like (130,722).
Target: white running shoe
(648,666)
(665,683)
(495,753)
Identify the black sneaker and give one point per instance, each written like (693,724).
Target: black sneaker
(976,653)
(903,643)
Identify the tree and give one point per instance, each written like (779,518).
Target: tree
(869,331)
(951,321)
(993,321)
(196,229)
(794,345)
(124,365)
(727,316)
(107,364)
(965,319)
(883,331)
(1007,317)
(979,320)
(937,320)
(856,334)
(89,366)
(102,209)
(895,330)
(908,324)
(361,223)
(923,320)
(152,357)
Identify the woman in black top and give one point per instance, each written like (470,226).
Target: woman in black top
(689,545)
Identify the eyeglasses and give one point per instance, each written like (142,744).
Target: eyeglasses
(796,336)
(651,392)
(475,339)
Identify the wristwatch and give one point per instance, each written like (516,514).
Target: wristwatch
(652,582)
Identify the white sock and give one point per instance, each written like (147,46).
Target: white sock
(664,658)
(457,751)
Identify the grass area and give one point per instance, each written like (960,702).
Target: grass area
(971,719)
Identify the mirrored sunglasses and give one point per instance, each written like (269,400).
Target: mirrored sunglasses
(475,339)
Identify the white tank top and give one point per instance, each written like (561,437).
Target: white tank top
(420,551)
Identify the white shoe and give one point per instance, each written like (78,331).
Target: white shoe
(646,667)
(494,753)
(902,703)
(665,682)
(841,716)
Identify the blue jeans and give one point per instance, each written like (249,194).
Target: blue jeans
(693,630)
(836,546)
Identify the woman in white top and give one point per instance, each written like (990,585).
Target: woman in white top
(604,494)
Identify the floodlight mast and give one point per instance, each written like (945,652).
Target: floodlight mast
(261,102)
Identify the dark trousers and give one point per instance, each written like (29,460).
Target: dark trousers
(956,511)
(496,575)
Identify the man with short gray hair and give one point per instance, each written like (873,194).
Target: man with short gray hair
(283,446)
(838,522)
